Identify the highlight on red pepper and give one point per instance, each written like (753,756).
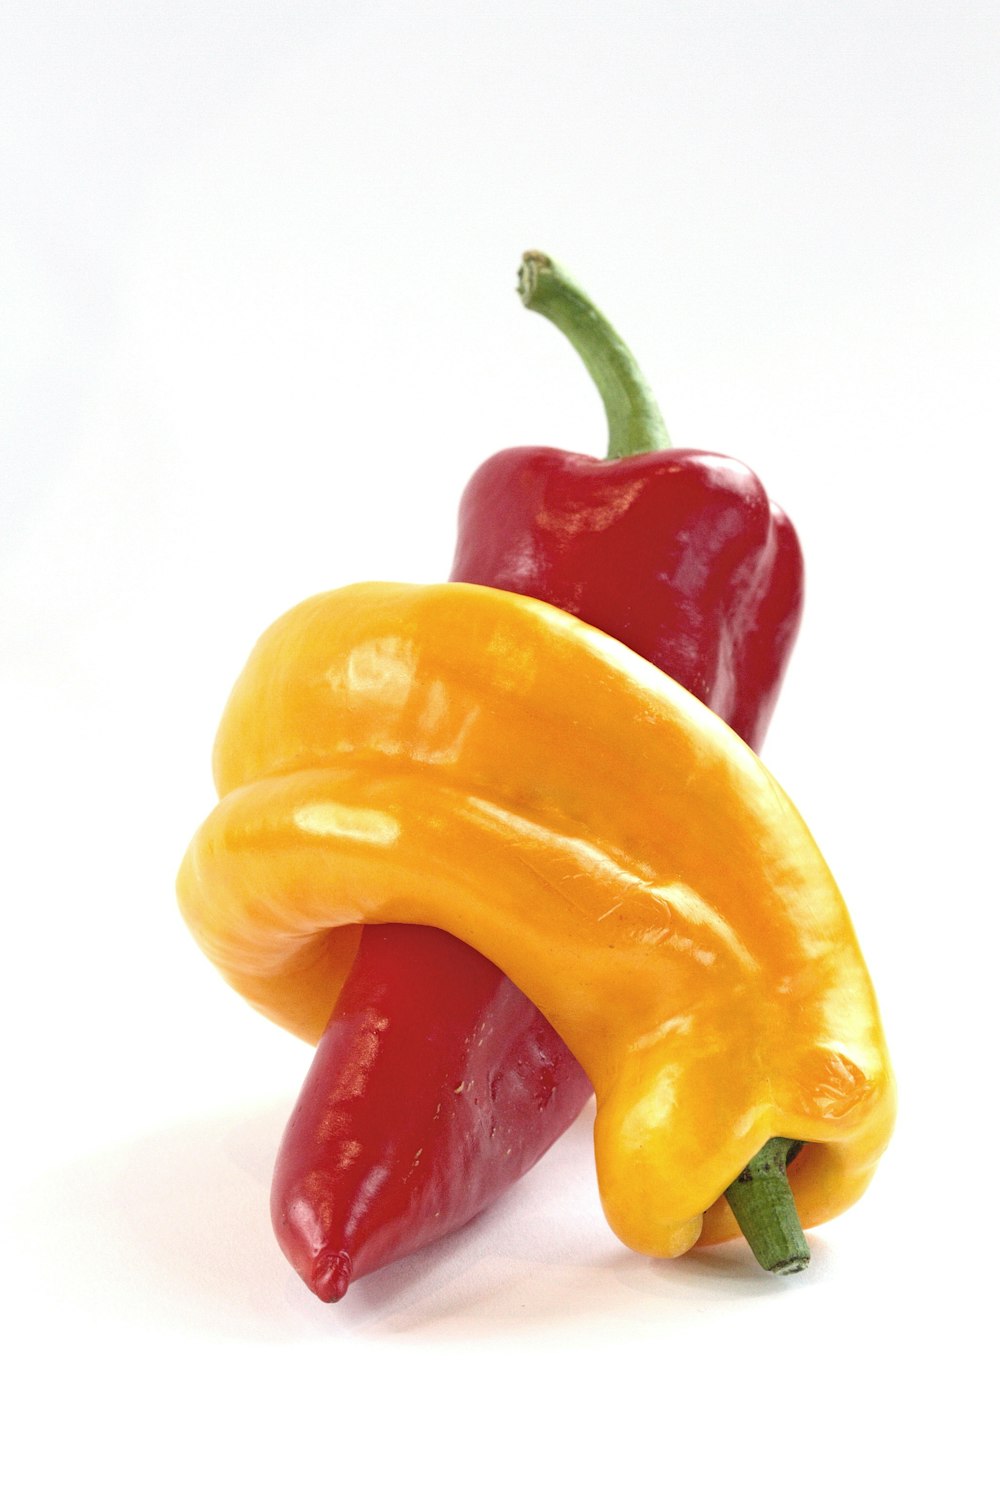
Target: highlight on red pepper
(436,1082)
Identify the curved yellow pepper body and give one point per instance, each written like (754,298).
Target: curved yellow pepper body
(476,761)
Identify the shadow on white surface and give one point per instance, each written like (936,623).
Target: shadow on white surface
(171,1231)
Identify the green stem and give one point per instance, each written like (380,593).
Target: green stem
(635,425)
(762,1201)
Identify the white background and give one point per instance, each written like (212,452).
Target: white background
(259,327)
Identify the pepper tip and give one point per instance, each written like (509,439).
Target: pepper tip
(331,1276)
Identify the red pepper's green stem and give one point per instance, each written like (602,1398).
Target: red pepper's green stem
(762,1202)
(635,425)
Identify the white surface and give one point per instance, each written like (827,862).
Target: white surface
(258,266)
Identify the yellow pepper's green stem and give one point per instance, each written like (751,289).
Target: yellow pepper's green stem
(762,1201)
(635,425)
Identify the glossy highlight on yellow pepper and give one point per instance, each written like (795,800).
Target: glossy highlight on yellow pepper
(480,762)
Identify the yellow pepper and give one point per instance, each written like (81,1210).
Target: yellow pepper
(483,763)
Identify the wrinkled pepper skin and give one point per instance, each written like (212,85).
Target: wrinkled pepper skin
(651,887)
(679,554)
(435,1085)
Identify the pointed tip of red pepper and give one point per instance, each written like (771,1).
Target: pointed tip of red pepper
(331,1276)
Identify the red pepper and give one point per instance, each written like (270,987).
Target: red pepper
(437,1083)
